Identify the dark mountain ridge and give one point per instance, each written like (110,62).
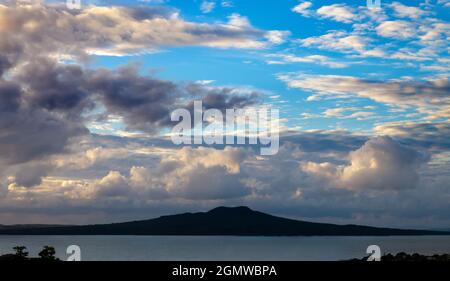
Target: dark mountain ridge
(239,221)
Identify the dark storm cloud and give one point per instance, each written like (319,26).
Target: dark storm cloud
(55,87)
(27,132)
(9,97)
(40,116)
(43,101)
(148,13)
(30,175)
(145,103)
(433,136)
(324,141)
(5,64)
(222,97)
(10,52)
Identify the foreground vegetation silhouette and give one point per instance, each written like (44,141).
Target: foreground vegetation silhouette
(47,254)
(404,257)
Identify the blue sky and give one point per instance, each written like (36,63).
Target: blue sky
(258,68)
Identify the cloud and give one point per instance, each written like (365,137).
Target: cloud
(212,183)
(367,38)
(88,157)
(54,87)
(145,183)
(337,12)
(141,185)
(144,102)
(337,40)
(426,95)
(277,37)
(30,174)
(432,136)
(222,97)
(403,11)
(445,3)
(69,90)
(434,33)
(46,106)
(347,113)
(164,179)
(380,164)
(396,29)
(316,59)
(188,173)
(303,9)
(28,132)
(205,173)
(226,3)
(113,31)
(342,41)
(409,54)
(338,112)
(383,163)
(207,6)
(112,185)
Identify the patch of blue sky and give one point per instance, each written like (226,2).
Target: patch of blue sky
(251,68)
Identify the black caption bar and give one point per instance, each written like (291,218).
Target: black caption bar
(193,271)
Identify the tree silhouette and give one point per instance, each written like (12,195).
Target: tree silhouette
(21,252)
(47,253)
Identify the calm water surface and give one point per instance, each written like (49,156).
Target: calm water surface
(216,248)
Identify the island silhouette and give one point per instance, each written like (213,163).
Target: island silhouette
(227,221)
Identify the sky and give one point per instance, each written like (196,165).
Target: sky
(364,98)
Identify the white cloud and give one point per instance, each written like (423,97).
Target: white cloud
(380,164)
(318,190)
(129,30)
(428,96)
(112,185)
(213,183)
(192,173)
(303,9)
(277,37)
(338,112)
(188,173)
(397,29)
(226,3)
(317,59)
(203,173)
(238,21)
(347,113)
(337,12)
(383,163)
(403,11)
(408,54)
(207,6)
(89,157)
(435,33)
(445,3)
(343,42)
